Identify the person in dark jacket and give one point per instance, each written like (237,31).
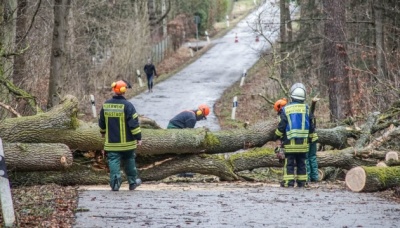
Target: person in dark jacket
(188,118)
(150,71)
(119,125)
(293,131)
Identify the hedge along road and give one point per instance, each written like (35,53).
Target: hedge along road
(224,204)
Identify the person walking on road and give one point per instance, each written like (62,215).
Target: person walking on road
(293,132)
(119,125)
(188,118)
(151,72)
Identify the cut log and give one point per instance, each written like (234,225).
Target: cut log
(391,155)
(37,156)
(372,179)
(381,164)
(321,175)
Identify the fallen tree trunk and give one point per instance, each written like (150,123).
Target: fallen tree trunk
(60,125)
(37,156)
(34,129)
(372,179)
(225,166)
(77,174)
(86,137)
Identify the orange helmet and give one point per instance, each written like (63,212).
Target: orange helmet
(120,86)
(203,110)
(279,104)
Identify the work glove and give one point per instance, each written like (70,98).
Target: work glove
(280,154)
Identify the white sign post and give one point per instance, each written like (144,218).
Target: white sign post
(93,105)
(227,21)
(5,192)
(208,37)
(235,104)
(243,77)
(139,78)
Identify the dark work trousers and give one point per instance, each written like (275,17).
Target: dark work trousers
(127,158)
(293,160)
(150,81)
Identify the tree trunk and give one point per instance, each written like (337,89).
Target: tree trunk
(21,30)
(283,39)
(372,179)
(60,125)
(379,40)
(37,157)
(42,127)
(58,55)
(225,166)
(77,174)
(7,47)
(335,67)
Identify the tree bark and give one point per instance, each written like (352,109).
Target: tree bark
(225,166)
(335,66)
(77,174)
(60,125)
(58,55)
(37,157)
(379,40)
(372,179)
(42,127)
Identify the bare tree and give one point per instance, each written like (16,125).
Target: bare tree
(7,46)
(335,59)
(57,68)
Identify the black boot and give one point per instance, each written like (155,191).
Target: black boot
(301,184)
(115,184)
(137,183)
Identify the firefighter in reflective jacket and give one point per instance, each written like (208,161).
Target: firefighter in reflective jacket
(293,131)
(119,125)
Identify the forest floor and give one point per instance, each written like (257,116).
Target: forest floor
(55,206)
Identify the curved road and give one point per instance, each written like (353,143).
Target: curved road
(204,80)
(223,204)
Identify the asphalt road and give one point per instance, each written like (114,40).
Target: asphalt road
(204,80)
(232,205)
(224,204)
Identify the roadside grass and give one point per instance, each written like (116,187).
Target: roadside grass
(252,107)
(240,10)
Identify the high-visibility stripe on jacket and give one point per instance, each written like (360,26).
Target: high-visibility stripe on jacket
(294,128)
(298,120)
(120,124)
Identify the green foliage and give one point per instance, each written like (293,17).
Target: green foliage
(210,11)
(222,9)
